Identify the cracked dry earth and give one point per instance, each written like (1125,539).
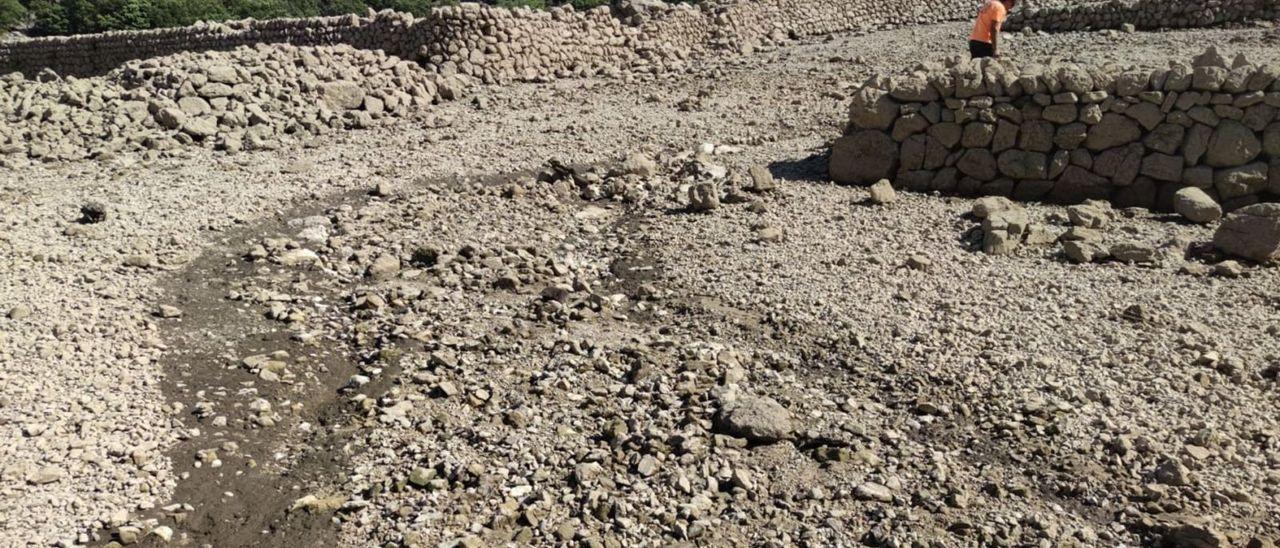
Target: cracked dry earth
(423,335)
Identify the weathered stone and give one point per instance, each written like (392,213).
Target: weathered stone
(1114,130)
(1070,136)
(1129,84)
(1037,136)
(985,206)
(224,74)
(1199,176)
(1165,138)
(1133,253)
(1163,167)
(1196,144)
(642,165)
(863,157)
(947,133)
(1060,114)
(342,95)
(912,153)
(872,108)
(1147,114)
(1252,233)
(704,197)
(756,418)
(194,106)
(883,193)
(1121,164)
(761,179)
(913,89)
(1006,136)
(1193,535)
(875,492)
(909,125)
(1196,206)
(978,163)
(171,118)
(1088,216)
(1232,144)
(1081,251)
(977,135)
(1241,181)
(384,267)
(1020,164)
(200,128)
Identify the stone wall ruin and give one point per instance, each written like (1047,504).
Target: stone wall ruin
(1067,133)
(498,44)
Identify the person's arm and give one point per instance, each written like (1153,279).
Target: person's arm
(995,38)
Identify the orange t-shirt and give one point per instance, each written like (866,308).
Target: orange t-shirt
(991,12)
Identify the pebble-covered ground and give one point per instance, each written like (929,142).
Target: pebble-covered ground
(582,359)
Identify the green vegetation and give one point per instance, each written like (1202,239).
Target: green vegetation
(61,17)
(12,12)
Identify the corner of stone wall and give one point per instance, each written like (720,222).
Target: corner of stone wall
(1067,133)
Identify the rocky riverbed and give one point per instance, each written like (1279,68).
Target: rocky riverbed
(608,313)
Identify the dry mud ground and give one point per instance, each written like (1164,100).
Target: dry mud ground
(448,396)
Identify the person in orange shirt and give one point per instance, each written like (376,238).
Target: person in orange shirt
(985,39)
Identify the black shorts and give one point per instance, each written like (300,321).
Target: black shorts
(979,49)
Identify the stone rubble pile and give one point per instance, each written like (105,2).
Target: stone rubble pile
(248,98)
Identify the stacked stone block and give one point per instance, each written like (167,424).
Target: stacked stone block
(1067,133)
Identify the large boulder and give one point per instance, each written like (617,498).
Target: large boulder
(171,118)
(1232,144)
(872,109)
(863,157)
(1196,205)
(223,74)
(342,95)
(1241,181)
(756,418)
(1251,232)
(978,163)
(1114,130)
(1020,164)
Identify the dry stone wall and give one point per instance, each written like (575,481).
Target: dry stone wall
(1142,14)
(496,44)
(100,53)
(1067,133)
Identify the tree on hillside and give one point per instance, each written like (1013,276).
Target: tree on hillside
(178,13)
(61,17)
(48,17)
(12,14)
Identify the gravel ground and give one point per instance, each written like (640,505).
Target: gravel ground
(1032,400)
